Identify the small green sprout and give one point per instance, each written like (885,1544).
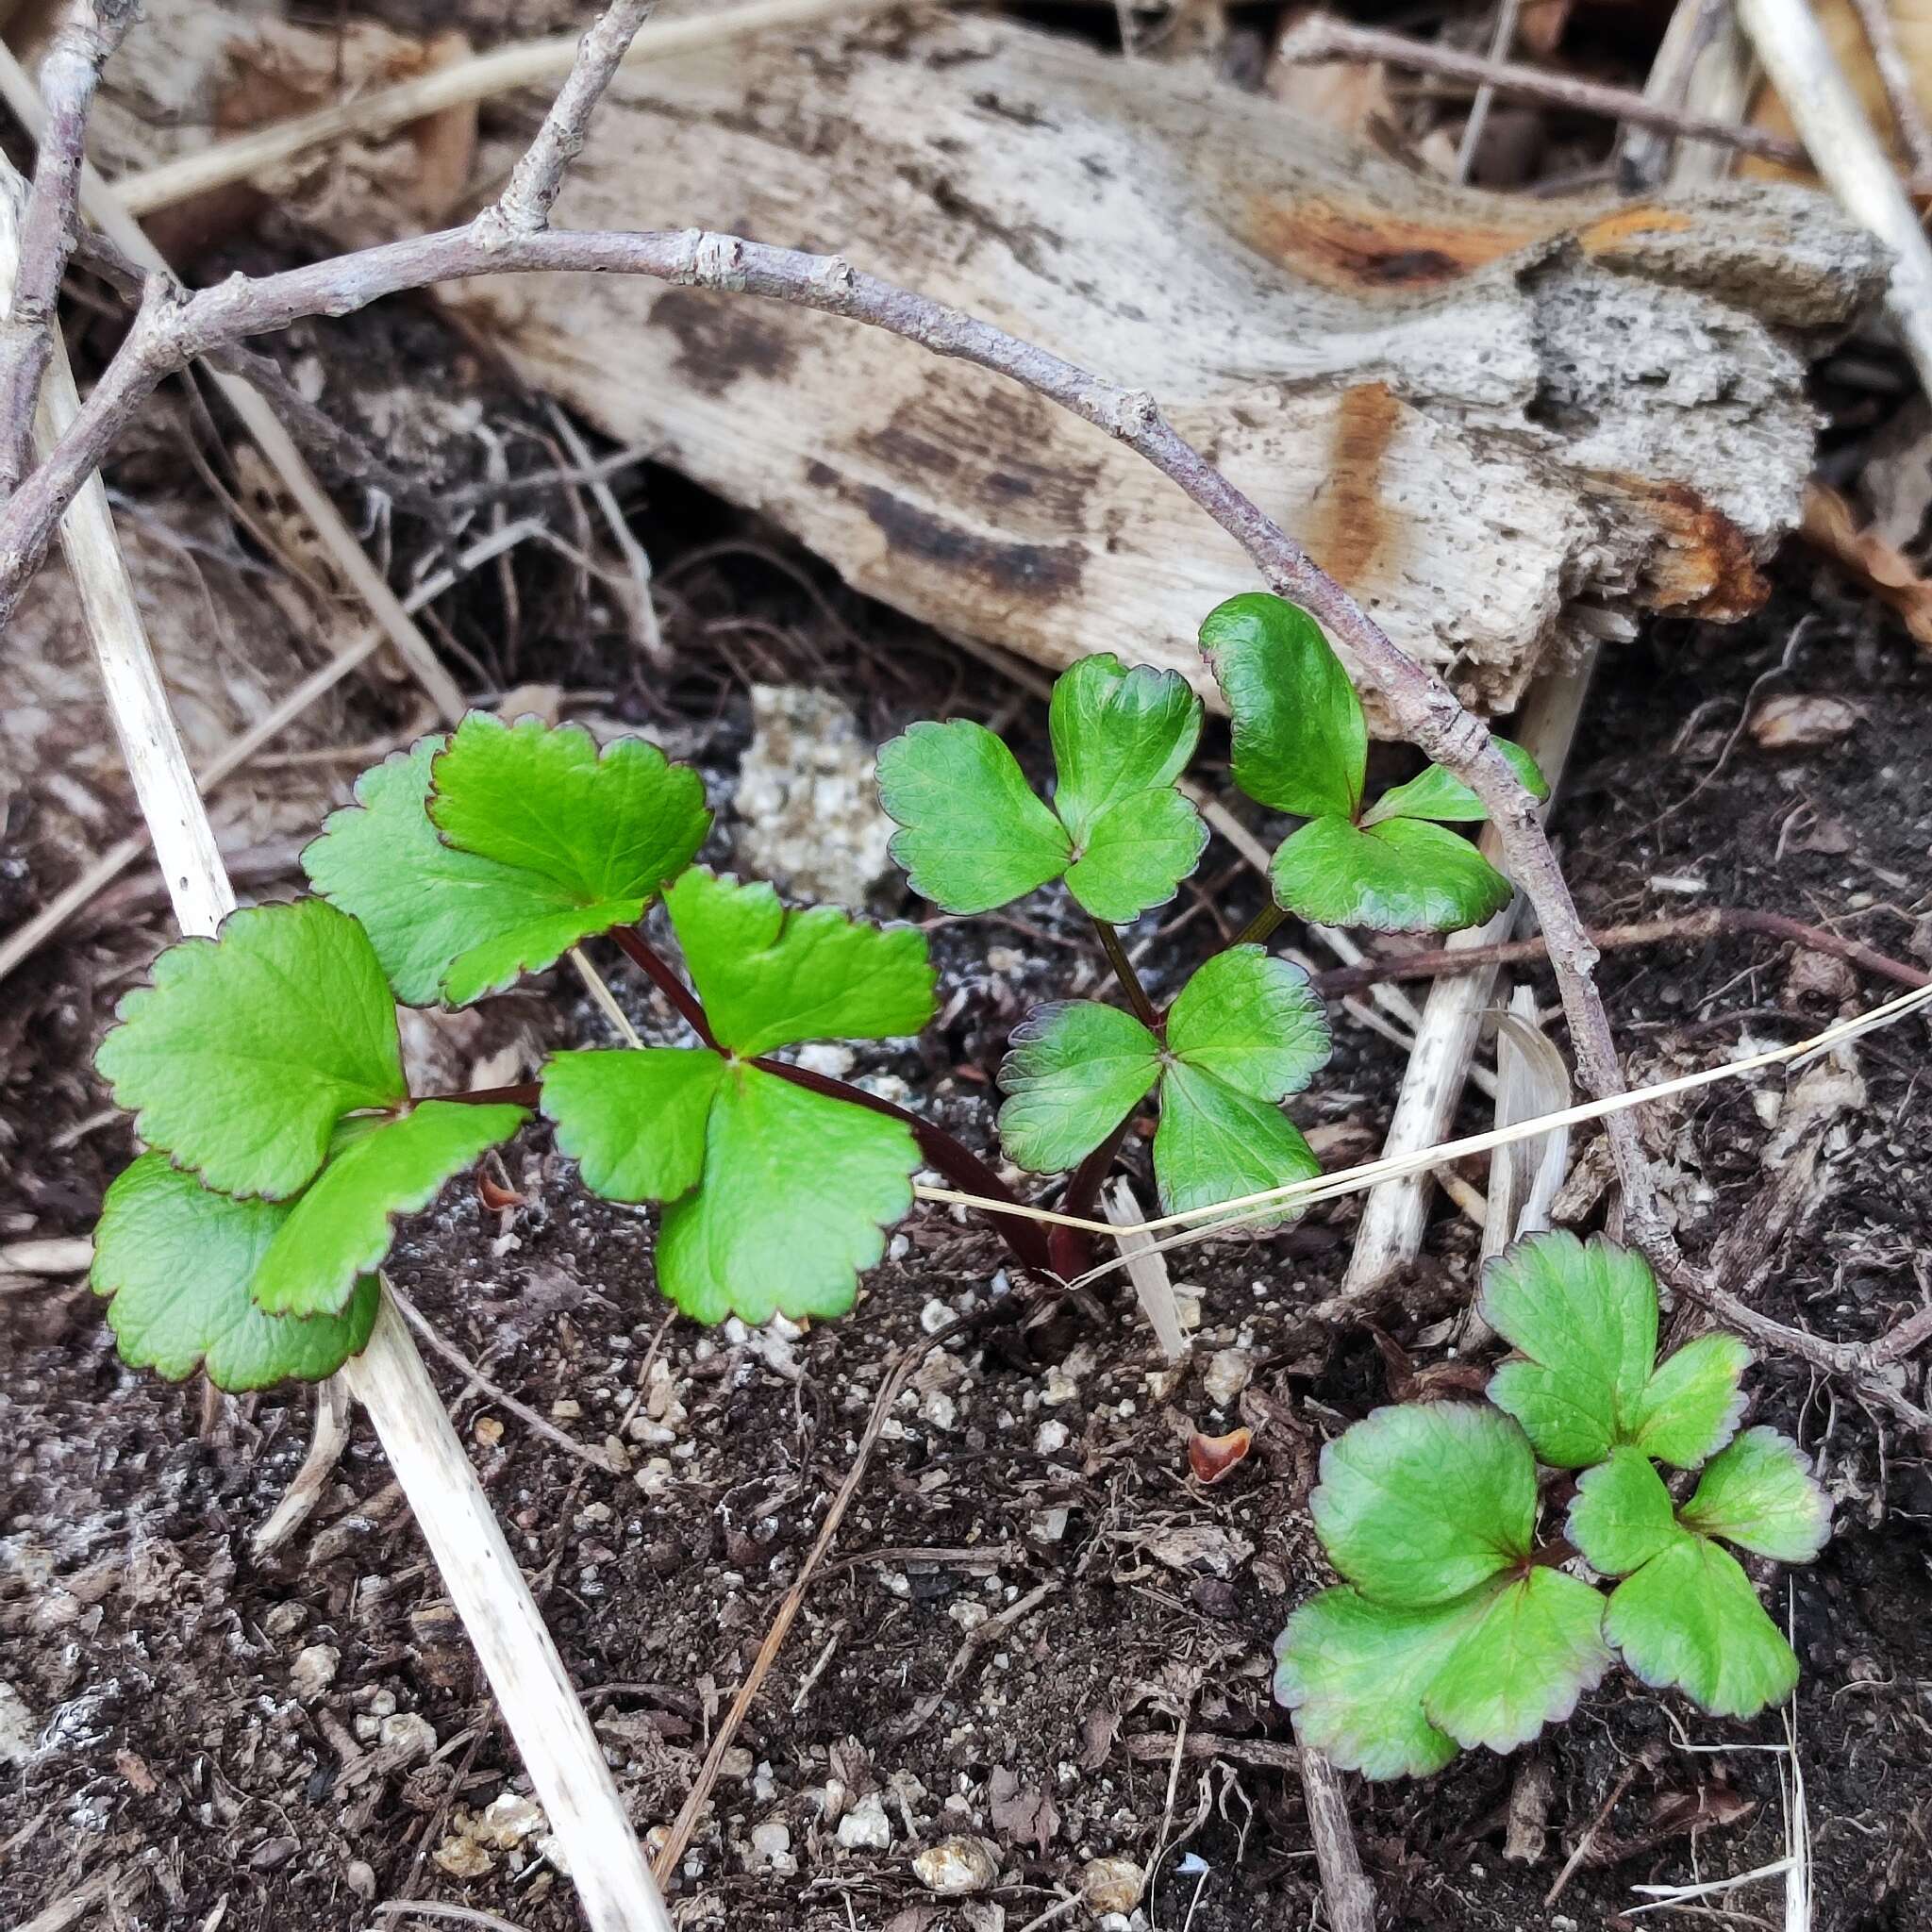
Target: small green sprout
(974,836)
(1244,1033)
(1301,745)
(1453,1628)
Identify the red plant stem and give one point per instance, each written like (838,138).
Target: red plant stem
(1123,971)
(1687,927)
(1072,1253)
(1026,1239)
(528,1094)
(651,962)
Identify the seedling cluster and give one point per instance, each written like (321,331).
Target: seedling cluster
(1454,1628)
(265,1073)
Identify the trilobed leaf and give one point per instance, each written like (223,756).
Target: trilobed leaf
(1583,1315)
(247,1049)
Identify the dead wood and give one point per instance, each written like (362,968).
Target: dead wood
(1500,423)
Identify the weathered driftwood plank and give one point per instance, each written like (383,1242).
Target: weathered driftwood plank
(1495,418)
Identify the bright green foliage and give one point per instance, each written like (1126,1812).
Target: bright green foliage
(1584,1316)
(1405,875)
(246,1050)
(1301,746)
(179,1260)
(341,1224)
(771,978)
(1446,1633)
(1686,1614)
(1690,1619)
(475,861)
(775,1197)
(1760,1495)
(1447,1630)
(1245,1033)
(974,836)
(1301,743)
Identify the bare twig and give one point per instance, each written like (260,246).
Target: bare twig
(1895,76)
(461,83)
(1848,154)
(538,1425)
(1351,1897)
(265,429)
(326,1447)
(536,181)
(69,75)
(1501,40)
(1685,928)
(1324,38)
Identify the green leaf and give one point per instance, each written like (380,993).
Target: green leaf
(1075,1071)
(1117,733)
(424,905)
(343,1222)
(1759,1493)
(1538,1646)
(1136,854)
(1690,1406)
(1437,793)
(1215,1143)
(1300,741)
(1622,1516)
(1689,1618)
(247,1049)
(178,1260)
(1354,1673)
(797,1189)
(543,843)
(1585,1316)
(1252,1022)
(634,1121)
(971,834)
(1407,876)
(611,826)
(769,978)
(1421,1503)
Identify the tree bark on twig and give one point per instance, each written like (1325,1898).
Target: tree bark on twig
(70,75)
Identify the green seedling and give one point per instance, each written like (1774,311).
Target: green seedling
(1454,1628)
(265,1073)
(1301,745)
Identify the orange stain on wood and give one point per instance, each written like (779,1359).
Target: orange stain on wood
(1364,249)
(1351,520)
(1607,234)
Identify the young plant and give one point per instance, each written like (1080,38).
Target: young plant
(1454,1627)
(266,1076)
(1301,745)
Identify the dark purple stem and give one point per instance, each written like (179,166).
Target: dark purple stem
(647,958)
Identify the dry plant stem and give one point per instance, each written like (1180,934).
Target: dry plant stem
(1689,928)
(538,1425)
(69,77)
(263,426)
(1500,40)
(502,70)
(536,181)
(1849,155)
(670,1853)
(1323,39)
(1350,1897)
(174,326)
(1895,76)
(25,940)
